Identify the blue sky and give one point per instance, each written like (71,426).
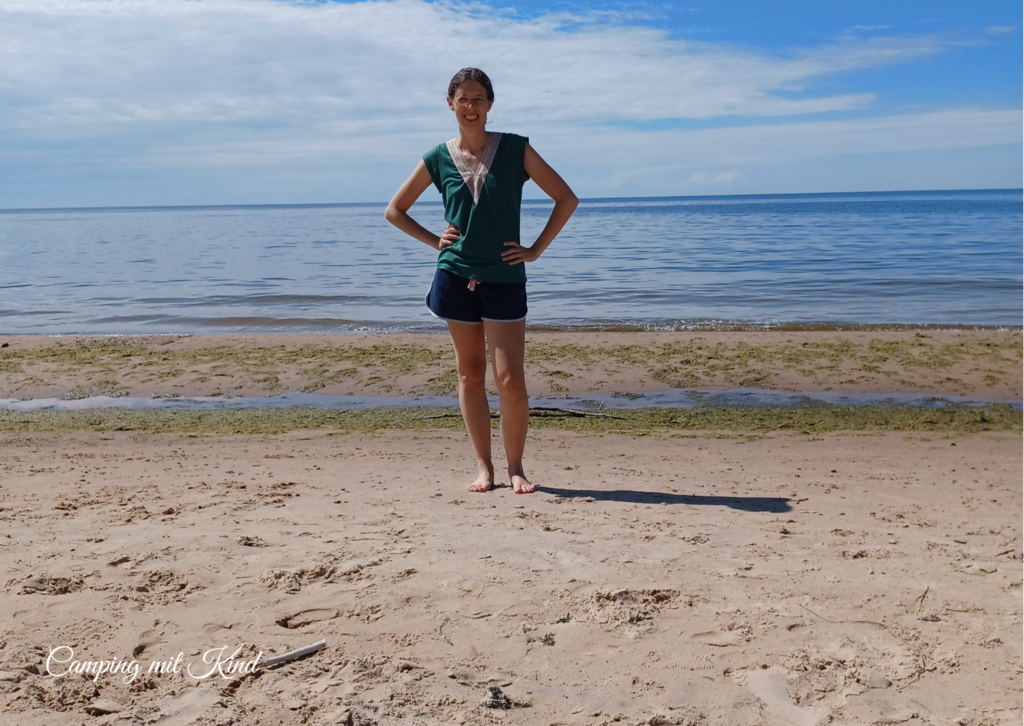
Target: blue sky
(165,102)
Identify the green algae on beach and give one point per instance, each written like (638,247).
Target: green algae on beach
(945,362)
(811,419)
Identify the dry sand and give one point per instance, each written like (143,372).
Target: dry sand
(677,578)
(845,579)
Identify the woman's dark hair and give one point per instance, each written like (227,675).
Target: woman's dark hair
(471,74)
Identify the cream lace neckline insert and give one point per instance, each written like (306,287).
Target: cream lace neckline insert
(474,179)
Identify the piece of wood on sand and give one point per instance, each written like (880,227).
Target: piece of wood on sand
(291,655)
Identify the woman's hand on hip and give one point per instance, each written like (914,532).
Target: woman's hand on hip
(517,253)
(450,237)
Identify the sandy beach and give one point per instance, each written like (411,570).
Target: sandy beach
(662,576)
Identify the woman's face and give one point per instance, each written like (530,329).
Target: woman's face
(470,105)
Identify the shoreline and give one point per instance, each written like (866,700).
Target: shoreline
(371,329)
(695,327)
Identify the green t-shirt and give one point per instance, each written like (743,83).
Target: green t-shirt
(484,206)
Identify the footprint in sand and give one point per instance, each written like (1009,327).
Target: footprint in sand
(467,676)
(147,639)
(697,662)
(769,685)
(211,629)
(306,617)
(719,639)
(187,706)
(47,584)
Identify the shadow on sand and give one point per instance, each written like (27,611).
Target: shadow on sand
(746,504)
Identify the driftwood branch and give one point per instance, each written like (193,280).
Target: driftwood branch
(292,654)
(546,411)
(541,411)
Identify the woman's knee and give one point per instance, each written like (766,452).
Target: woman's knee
(472,376)
(511,383)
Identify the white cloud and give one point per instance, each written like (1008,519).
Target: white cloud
(721,179)
(963,128)
(192,85)
(691,159)
(89,65)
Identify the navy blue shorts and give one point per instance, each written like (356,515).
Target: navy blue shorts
(450,298)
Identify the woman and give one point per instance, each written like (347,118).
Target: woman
(480,284)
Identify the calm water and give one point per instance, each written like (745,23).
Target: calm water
(944,258)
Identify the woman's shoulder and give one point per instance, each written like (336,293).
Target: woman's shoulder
(514,138)
(513,144)
(435,150)
(435,162)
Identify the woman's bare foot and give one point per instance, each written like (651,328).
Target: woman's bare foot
(483,482)
(520,484)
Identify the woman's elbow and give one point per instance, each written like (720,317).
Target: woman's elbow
(391,213)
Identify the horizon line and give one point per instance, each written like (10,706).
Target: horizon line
(322,205)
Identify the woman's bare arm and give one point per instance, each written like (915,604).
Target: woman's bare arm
(565,204)
(398,210)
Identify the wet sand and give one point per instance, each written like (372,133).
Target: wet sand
(984,363)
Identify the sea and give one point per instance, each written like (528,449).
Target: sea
(934,258)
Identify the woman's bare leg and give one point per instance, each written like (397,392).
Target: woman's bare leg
(471,362)
(507,342)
